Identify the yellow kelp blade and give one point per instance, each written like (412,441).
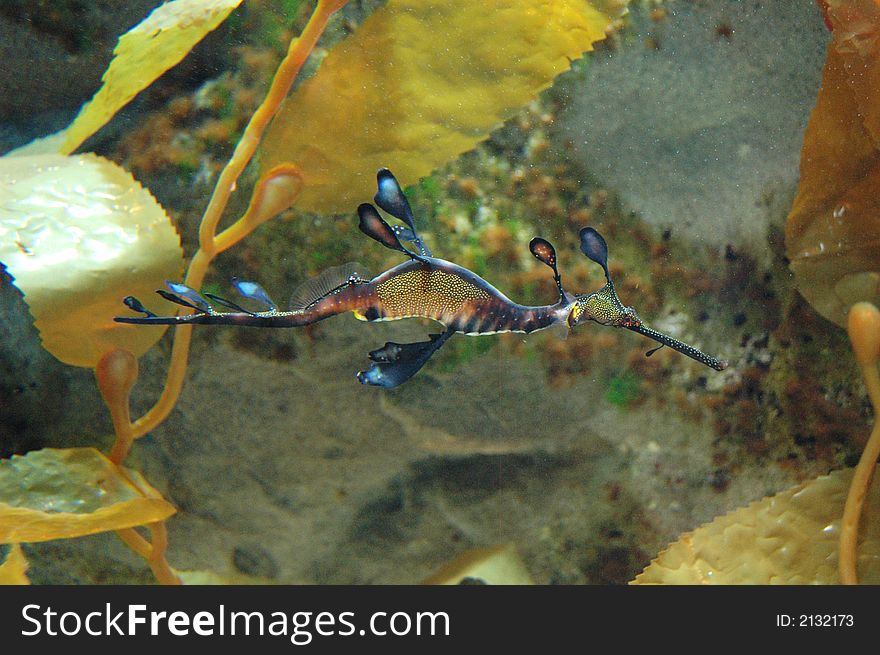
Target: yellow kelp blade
(79,234)
(143,53)
(789,538)
(832,235)
(69,492)
(14,569)
(419,82)
(499,565)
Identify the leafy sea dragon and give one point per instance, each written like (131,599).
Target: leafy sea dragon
(425,286)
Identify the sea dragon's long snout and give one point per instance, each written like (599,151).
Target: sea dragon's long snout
(604,307)
(422,286)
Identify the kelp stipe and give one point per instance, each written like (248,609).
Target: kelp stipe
(426,287)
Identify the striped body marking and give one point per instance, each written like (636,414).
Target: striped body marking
(453,296)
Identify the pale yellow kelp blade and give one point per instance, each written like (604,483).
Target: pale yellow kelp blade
(48,145)
(79,234)
(71,492)
(789,538)
(418,83)
(499,565)
(210,578)
(143,53)
(832,235)
(13,571)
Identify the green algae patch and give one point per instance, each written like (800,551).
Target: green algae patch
(623,389)
(71,492)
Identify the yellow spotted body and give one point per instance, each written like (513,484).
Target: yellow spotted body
(449,294)
(428,293)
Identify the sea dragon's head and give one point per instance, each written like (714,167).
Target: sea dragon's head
(603,306)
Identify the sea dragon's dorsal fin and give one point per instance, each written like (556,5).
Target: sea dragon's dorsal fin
(325,283)
(390,198)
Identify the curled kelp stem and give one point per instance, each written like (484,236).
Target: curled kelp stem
(116,374)
(275,191)
(210,244)
(864,333)
(152,551)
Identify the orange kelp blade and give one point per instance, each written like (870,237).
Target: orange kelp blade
(58,493)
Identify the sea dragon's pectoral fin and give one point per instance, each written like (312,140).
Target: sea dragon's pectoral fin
(395,363)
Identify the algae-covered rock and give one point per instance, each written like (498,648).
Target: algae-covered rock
(697,118)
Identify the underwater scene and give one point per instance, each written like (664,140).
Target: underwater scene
(576,292)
